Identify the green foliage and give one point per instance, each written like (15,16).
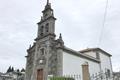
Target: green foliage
(61,78)
(18,70)
(12,69)
(22,70)
(9,69)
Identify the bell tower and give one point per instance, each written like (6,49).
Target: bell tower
(45,50)
(45,55)
(46,26)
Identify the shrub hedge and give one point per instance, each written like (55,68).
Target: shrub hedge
(61,78)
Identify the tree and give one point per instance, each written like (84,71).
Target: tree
(9,69)
(12,69)
(18,70)
(22,70)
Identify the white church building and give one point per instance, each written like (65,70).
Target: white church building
(49,56)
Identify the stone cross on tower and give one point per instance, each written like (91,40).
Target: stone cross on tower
(47,1)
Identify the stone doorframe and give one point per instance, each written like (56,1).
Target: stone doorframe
(40,74)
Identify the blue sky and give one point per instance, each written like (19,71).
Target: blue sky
(79,21)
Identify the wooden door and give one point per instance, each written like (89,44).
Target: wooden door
(40,74)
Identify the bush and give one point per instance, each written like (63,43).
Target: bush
(61,78)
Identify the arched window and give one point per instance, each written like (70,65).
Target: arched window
(41,30)
(47,27)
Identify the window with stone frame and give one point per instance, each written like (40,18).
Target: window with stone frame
(42,50)
(108,72)
(41,30)
(30,59)
(47,27)
(97,55)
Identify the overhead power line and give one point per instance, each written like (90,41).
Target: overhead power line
(103,23)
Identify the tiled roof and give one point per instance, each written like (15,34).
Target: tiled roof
(95,49)
(80,54)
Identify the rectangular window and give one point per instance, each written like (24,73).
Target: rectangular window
(108,72)
(42,51)
(97,55)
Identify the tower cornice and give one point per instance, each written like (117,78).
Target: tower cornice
(38,38)
(46,19)
(49,8)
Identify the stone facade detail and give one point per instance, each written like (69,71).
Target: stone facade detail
(46,52)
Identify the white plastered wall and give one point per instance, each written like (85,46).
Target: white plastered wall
(104,59)
(105,62)
(72,65)
(90,53)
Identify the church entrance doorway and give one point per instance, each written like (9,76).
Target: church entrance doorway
(40,74)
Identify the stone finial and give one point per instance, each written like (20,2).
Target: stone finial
(48,5)
(52,13)
(60,40)
(47,1)
(30,46)
(41,18)
(60,37)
